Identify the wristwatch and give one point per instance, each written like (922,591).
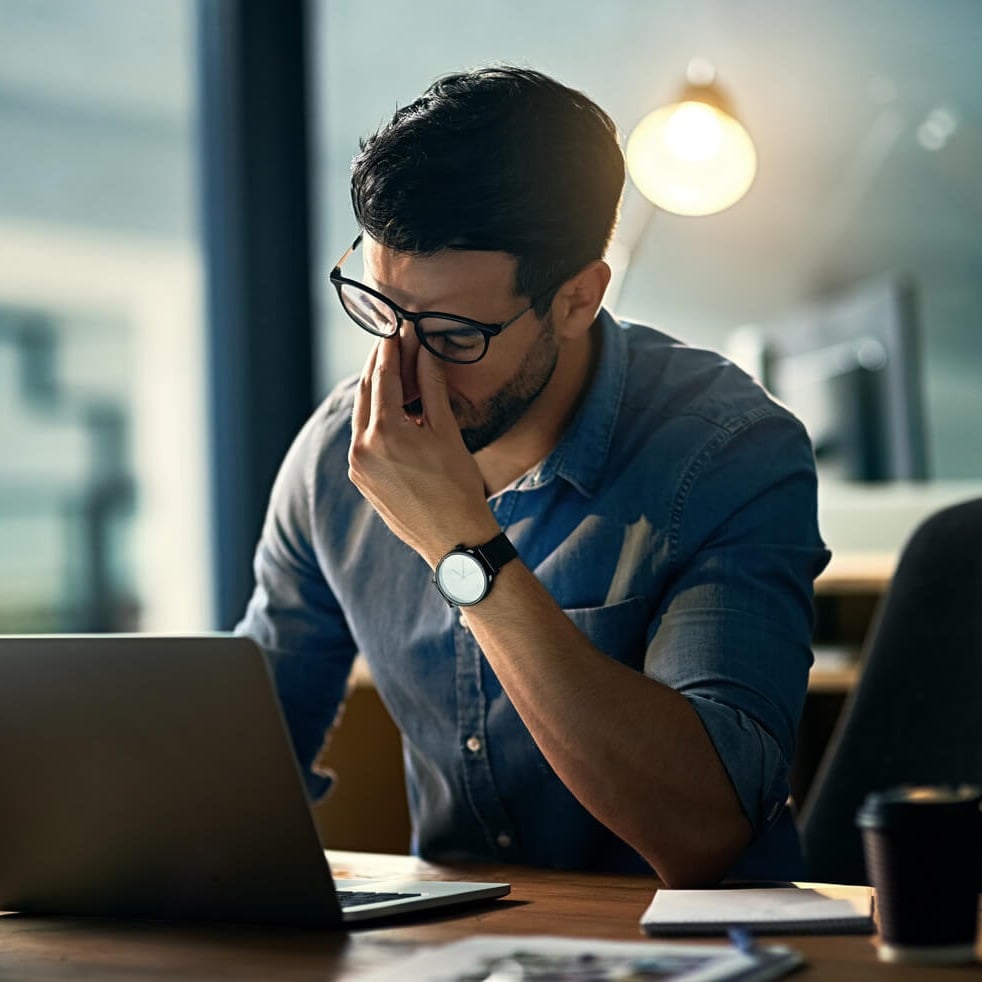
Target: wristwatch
(465,574)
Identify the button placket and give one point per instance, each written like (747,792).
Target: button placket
(475,767)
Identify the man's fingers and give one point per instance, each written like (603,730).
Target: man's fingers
(386,381)
(431,377)
(361,412)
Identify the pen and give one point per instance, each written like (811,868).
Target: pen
(741,938)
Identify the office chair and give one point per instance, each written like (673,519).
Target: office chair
(915,716)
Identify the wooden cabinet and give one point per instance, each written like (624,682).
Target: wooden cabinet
(847,596)
(366,810)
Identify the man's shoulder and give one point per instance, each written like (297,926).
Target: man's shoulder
(330,423)
(339,402)
(689,410)
(668,379)
(321,446)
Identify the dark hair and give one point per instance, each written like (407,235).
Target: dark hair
(504,159)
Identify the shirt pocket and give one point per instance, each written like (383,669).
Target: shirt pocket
(618,630)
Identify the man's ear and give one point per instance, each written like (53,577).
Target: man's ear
(578,300)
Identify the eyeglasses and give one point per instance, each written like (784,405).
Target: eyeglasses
(452,338)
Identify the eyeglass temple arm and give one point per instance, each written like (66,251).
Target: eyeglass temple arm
(354,245)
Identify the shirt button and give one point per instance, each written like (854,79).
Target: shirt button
(504,840)
(473,744)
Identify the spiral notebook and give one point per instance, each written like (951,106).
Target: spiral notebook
(806,908)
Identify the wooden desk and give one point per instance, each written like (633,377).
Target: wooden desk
(574,905)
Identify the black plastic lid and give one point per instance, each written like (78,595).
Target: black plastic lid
(893,806)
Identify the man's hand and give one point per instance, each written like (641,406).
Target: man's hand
(416,472)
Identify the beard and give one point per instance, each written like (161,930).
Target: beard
(481,425)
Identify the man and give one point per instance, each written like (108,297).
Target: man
(577,555)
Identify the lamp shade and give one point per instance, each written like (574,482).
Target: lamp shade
(692,157)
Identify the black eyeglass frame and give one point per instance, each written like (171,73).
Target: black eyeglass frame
(487,330)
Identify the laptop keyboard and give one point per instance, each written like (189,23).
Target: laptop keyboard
(352,898)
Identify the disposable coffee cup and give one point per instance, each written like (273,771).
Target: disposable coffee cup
(923,849)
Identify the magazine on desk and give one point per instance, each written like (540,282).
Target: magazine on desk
(508,958)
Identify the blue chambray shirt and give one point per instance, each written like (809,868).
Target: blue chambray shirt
(675,523)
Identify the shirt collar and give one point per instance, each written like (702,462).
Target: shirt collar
(581,453)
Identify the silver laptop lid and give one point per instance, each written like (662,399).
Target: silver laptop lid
(152,777)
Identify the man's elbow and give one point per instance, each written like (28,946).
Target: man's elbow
(692,865)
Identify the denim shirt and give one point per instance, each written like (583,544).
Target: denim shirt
(674,523)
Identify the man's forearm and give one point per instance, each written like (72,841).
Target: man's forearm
(633,751)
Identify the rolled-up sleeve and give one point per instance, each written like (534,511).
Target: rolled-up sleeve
(734,636)
(293,614)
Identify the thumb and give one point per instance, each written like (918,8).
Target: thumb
(431,377)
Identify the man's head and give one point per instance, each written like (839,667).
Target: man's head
(501,160)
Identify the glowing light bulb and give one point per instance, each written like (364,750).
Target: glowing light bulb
(693,132)
(691,158)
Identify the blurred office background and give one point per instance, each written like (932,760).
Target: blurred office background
(127,390)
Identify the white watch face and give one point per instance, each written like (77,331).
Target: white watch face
(462,578)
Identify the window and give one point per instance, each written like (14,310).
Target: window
(103,463)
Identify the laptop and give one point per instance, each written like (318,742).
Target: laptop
(149,776)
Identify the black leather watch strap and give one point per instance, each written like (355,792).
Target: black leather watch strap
(496,553)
